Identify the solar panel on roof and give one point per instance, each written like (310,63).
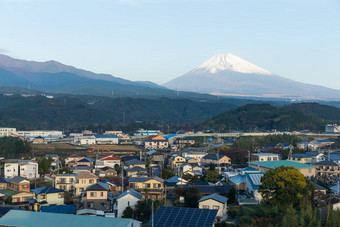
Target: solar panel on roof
(179,216)
(256,178)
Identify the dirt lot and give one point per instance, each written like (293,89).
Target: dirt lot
(67,149)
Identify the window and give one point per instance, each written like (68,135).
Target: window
(42,196)
(101,194)
(93,194)
(81,189)
(24,186)
(14,200)
(60,195)
(91,181)
(146,185)
(216,207)
(275,158)
(128,203)
(156,185)
(269,158)
(205,206)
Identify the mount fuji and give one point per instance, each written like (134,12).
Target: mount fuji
(230,75)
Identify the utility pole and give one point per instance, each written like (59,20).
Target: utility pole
(152,215)
(122,178)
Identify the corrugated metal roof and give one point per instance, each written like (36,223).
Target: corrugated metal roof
(275,164)
(43,219)
(256,178)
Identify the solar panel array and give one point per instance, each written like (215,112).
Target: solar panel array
(256,178)
(180,216)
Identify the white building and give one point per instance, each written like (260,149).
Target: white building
(42,133)
(332,128)
(106,139)
(18,167)
(195,155)
(7,131)
(129,198)
(142,132)
(107,161)
(87,140)
(263,157)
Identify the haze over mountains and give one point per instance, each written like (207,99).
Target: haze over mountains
(227,74)
(221,75)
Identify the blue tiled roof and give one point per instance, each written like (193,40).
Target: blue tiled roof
(237,179)
(131,192)
(216,197)
(136,169)
(99,186)
(61,209)
(312,154)
(213,156)
(46,190)
(4,180)
(299,155)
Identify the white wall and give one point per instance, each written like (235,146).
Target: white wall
(124,202)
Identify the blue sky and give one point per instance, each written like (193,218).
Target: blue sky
(159,40)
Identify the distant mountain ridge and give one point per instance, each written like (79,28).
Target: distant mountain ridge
(253,117)
(227,74)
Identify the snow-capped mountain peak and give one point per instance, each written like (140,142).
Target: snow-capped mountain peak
(230,62)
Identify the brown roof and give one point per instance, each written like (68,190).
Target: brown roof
(86,175)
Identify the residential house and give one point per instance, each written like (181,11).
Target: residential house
(305,169)
(302,158)
(156,142)
(65,182)
(194,155)
(193,161)
(98,196)
(84,162)
(84,180)
(22,197)
(206,188)
(261,157)
(55,159)
(136,171)
(108,161)
(327,168)
(81,169)
(71,160)
(215,202)
(150,187)
(134,163)
(175,181)
(252,184)
(127,199)
(18,167)
(49,196)
(158,157)
(216,159)
(183,142)
(106,172)
(176,161)
(3,183)
(19,183)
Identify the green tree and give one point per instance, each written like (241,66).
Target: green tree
(143,210)
(12,147)
(192,196)
(290,218)
(128,212)
(232,195)
(211,176)
(118,169)
(167,173)
(284,186)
